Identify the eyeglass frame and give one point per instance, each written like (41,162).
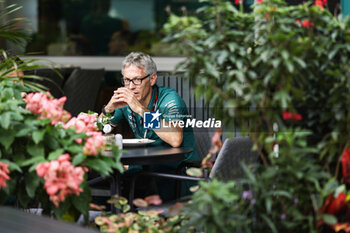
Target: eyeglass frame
(132,80)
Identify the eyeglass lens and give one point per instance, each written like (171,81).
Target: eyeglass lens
(136,81)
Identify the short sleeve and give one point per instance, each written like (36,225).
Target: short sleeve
(173,107)
(118,116)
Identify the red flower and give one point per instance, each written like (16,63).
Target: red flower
(345,161)
(337,204)
(298,20)
(320,3)
(333,205)
(259,1)
(307,24)
(338,207)
(291,116)
(238,1)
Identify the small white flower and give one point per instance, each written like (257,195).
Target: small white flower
(107,128)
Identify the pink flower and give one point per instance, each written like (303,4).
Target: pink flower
(291,116)
(4,171)
(259,1)
(94,143)
(238,1)
(61,178)
(47,107)
(83,123)
(89,120)
(42,168)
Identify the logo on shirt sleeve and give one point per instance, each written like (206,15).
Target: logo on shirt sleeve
(151,120)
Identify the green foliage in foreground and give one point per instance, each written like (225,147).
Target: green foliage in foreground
(26,141)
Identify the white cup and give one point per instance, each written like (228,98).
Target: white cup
(119,141)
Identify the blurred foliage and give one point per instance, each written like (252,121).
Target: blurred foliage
(10,26)
(141,220)
(252,68)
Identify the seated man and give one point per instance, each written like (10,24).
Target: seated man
(141,94)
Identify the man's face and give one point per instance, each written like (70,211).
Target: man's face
(142,92)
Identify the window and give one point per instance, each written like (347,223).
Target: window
(98,27)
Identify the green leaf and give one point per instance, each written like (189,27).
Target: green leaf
(222,57)
(5,120)
(100,166)
(55,154)
(51,142)
(290,66)
(75,149)
(7,93)
(329,219)
(269,223)
(34,160)
(82,202)
(77,159)
(62,208)
(36,150)
(38,136)
(265,55)
(268,205)
(22,196)
(32,181)
(24,131)
(282,97)
(6,138)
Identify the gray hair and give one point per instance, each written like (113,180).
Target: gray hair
(142,61)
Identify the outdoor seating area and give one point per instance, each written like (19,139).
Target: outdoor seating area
(80,86)
(187,116)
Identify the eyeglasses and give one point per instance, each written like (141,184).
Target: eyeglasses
(135,81)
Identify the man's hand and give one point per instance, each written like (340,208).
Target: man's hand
(124,96)
(113,104)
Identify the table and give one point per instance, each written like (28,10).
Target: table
(145,156)
(153,155)
(15,221)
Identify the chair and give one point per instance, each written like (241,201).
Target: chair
(197,108)
(203,144)
(53,79)
(81,89)
(226,167)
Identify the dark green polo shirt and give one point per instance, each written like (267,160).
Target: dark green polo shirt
(171,106)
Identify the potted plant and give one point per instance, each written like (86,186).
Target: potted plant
(45,153)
